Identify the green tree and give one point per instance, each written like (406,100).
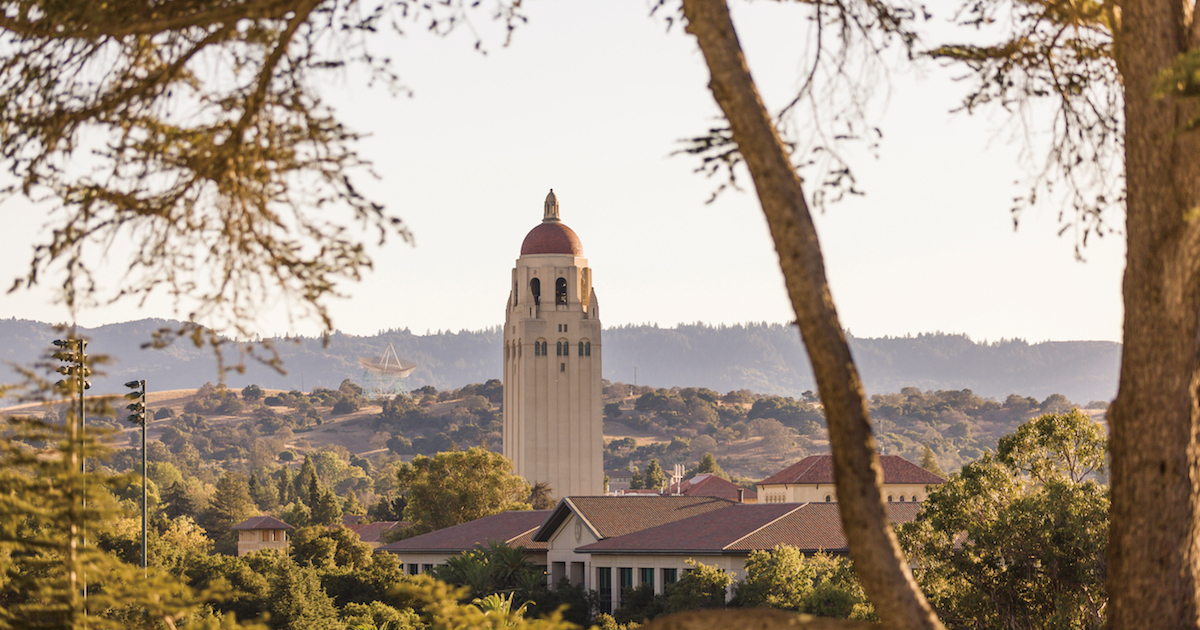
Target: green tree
(929,461)
(327,510)
(654,477)
(230,505)
(541,496)
(993,550)
(779,578)
(704,586)
(303,481)
(1070,445)
(298,602)
(459,486)
(708,465)
(324,548)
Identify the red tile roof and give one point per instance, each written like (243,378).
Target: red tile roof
(740,529)
(607,517)
(261,522)
(370,532)
(819,469)
(706,485)
(509,527)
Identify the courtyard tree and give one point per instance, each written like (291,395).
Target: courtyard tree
(458,486)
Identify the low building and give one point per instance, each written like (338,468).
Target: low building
(420,554)
(707,485)
(724,538)
(261,532)
(579,521)
(618,480)
(811,480)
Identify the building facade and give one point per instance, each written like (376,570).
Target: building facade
(811,480)
(553,420)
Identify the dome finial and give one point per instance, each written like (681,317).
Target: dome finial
(551,213)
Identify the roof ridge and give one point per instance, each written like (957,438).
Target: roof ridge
(763,526)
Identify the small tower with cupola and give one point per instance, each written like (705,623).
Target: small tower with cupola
(553,411)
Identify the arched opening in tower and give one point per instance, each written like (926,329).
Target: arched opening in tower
(560,291)
(535,287)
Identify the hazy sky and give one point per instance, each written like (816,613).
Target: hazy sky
(590,99)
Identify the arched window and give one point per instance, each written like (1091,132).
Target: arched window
(537,349)
(558,349)
(914,498)
(828,498)
(587,349)
(560,291)
(535,287)
(902,498)
(580,348)
(545,350)
(889,498)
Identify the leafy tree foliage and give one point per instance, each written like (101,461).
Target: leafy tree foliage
(654,477)
(231,504)
(1069,445)
(459,486)
(704,586)
(992,548)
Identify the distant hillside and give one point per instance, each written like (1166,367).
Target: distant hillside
(766,358)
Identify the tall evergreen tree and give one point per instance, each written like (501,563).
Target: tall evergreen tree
(230,505)
(287,491)
(929,462)
(654,478)
(302,481)
(178,502)
(326,510)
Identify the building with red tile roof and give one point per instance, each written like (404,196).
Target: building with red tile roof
(811,480)
(707,485)
(261,532)
(421,553)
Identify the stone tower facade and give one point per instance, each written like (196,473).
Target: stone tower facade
(553,411)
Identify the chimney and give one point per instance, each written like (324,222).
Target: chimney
(741,495)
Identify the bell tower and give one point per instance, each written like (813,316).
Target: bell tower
(553,420)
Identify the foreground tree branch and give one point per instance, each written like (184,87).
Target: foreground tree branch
(881,568)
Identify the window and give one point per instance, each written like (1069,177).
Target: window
(426,568)
(828,498)
(558,349)
(413,569)
(626,578)
(604,586)
(535,287)
(545,350)
(646,577)
(587,349)
(902,498)
(266,535)
(562,367)
(537,349)
(580,348)
(889,498)
(560,291)
(670,576)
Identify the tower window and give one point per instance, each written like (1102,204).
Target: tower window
(537,349)
(558,349)
(535,287)
(580,348)
(587,349)
(560,291)
(545,350)
(562,367)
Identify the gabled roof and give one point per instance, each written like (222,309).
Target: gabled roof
(261,522)
(370,532)
(607,517)
(740,529)
(510,527)
(819,469)
(706,485)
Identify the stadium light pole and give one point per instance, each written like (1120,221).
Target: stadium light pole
(72,351)
(138,417)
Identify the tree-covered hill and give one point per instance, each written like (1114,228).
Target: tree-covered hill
(760,357)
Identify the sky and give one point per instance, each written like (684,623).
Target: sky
(591,98)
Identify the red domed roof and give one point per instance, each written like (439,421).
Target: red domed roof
(552,237)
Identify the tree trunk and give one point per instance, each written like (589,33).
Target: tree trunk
(1154,535)
(885,576)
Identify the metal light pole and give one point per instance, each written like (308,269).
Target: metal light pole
(138,407)
(73,352)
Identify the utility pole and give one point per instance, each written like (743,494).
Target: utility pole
(138,417)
